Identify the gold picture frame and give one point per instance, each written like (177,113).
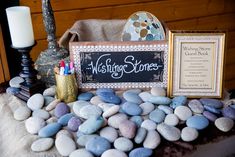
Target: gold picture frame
(196,63)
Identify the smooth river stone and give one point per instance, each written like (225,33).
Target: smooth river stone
(140,135)
(224,124)
(77,105)
(12,90)
(136,91)
(85,96)
(152,140)
(159,100)
(158,91)
(111,111)
(149,125)
(212,109)
(110,98)
(123,144)
(127,129)
(65,133)
(61,109)
(146,107)
(83,139)
(189,134)
(109,133)
(42,144)
(115,120)
(157,116)
(105,106)
(137,120)
(16,81)
(132,97)
(63,120)
(229,112)
(91,125)
(211,102)
(145,96)
(183,112)
(22,113)
(113,153)
(196,106)
(35,102)
(52,105)
(34,124)
(74,123)
(49,130)
(65,145)
(166,109)
(48,100)
(210,116)
(178,101)
(41,113)
(131,109)
(98,145)
(168,132)
(198,122)
(141,152)
(90,111)
(95,100)
(104,90)
(49,91)
(171,119)
(52,120)
(81,153)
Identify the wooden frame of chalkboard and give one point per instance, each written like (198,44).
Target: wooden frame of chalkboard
(120,64)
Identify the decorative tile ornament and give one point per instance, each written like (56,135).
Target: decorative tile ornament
(143,26)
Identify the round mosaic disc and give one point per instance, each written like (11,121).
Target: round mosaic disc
(143,26)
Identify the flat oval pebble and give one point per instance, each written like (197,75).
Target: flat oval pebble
(137,120)
(171,119)
(141,152)
(132,97)
(52,120)
(123,144)
(65,145)
(212,109)
(159,100)
(83,139)
(115,120)
(41,113)
(170,133)
(196,106)
(49,130)
(89,111)
(111,111)
(149,124)
(146,107)
(145,96)
(35,102)
(140,135)
(85,96)
(77,105)
(135,90)
(113,153)
(81,153)
(91,125)
(95,100)
(224,124)
(229,112)
(189,134)
(12,90)
(212,102)
(131,109)
(210,116)
(109,133)
(22,113)
(178,101)
(48,100)
(52,105)
(198,122)
(98,145)
(64,133)
(63,120)
(183,112)
(34,124)
(74,123)
(49,91)
(152,140)
(104,90)
(42,144)
(166,109)
(61,109)
(105,106)
(16,81)
(110,98)
(158,91)
(157,116)
(128,129)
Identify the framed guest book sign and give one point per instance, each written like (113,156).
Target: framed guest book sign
(120,64)
(196,63)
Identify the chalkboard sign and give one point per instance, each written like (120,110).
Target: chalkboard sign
(120,65)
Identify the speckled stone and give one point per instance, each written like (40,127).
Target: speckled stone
(168,132)
(224,124)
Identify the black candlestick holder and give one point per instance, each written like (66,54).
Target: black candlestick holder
(31,85)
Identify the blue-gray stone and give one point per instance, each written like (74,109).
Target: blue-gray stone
(91,125)
(48,100)
(197,122)
(98,145)
(212,102)
(210,116)
(49,130)
(140,135)
(157,115)
(229,112)
(104,90)
(159,100)
(233,106)
(109,97)
(131,109)
(85,96)
(79,133)
(132,97)
(212,109)
(141,152)
(63,120)
(135,90)
(178,101)
(12,90)
(145,96)
(137,120)
(166,109)
(83,139)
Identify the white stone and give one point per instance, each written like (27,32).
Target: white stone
(224,124)
(89,111)
(81,153)
(22,113)
(196,106)
(34,124)
(189,134)
(65,145)
(183,112)
(113,153)
(109,133)
(52,120)
(52,105)
(111,111)
(123,144)
(145,96)
(35,102)
(115,120)
(147,107)
(41,113)
(64,133)
(158,91)
(171,119)
(77,105)
(105,106)
(152,140)
(42,144)
(50,91)
(95,100)
(149,124)
(16,81)
(170,133)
